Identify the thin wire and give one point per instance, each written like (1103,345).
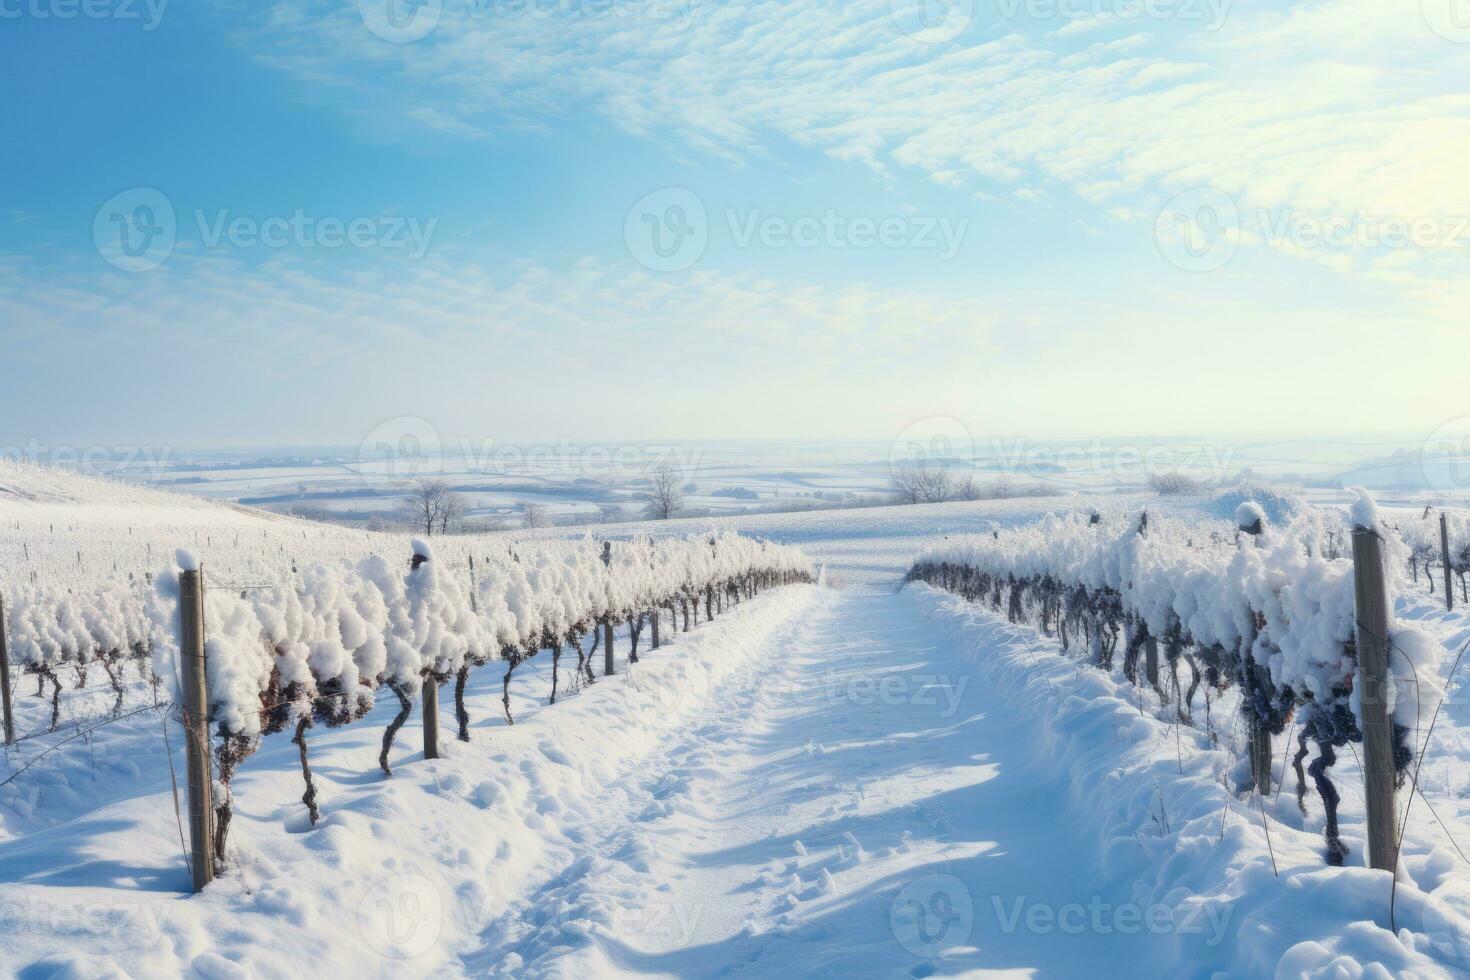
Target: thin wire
(52,731)
(1418,763)
(75,735)
(174,779)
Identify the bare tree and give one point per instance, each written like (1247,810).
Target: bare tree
(535,515)
(922,485)
(609,513)
(451,511)
(665,495)
(428,504)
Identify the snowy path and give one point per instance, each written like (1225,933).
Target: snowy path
(777,835)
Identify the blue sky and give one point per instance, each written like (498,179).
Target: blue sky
(1101,218)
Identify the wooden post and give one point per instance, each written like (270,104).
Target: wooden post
(196,727)
(1259,736)
(653,619)
(1444,545)
(431,717)
(9,719)
(1150,657)
(1261,756)
(1371,601)
(607,626)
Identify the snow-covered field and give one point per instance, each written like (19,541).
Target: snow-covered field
(588,483)
(844,779)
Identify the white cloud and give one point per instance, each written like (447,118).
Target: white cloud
(1312,107)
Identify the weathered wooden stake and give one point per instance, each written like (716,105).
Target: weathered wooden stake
(1371,600)
(431,717)
(196,727)
(9,719)
(1150,659)
(653,617)
(607,626)
(1261,757)
(1444,545)
(1258,734)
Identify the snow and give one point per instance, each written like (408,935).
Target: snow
(1169,834)
(1249,515)
(1364,510)
(849,780)
(463,837)
(1289,607)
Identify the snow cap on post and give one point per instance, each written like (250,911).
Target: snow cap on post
(186,561)
(1364,511)
(1250,518)
(421,552)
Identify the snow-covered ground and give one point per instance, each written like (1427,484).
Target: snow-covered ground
(572,482)
(849,779)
